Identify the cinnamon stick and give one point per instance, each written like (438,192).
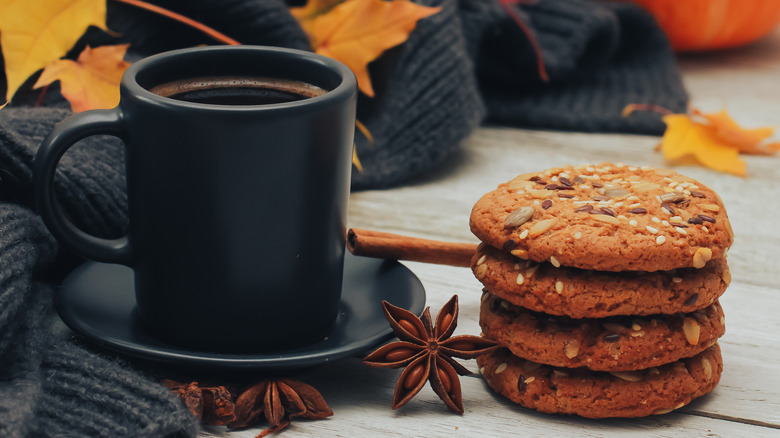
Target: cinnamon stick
(378,244)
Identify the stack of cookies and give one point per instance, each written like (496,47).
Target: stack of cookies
(602,282)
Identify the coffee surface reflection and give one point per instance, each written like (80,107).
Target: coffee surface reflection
(237,90)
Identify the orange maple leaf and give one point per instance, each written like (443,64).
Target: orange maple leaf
(748,141)
(32,34)
(357,32)
(91,82)
(687,139)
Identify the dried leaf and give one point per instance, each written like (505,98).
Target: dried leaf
(357,32)
(355,160)
(712,140)
(508,8)
(364,130)
(213,33)
(33,35)
(686,139)
(91,82)
(748,141)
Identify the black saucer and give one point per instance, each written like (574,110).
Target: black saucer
(97,301)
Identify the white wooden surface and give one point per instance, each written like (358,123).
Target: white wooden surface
(437,206)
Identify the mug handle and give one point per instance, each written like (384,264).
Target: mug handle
(65,135)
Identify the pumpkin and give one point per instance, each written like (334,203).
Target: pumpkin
(697,25)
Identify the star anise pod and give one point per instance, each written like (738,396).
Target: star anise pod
(211,405)
(427,353)
(278,401)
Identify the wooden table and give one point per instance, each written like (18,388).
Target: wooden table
(437,206)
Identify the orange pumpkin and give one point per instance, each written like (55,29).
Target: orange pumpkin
(696,25)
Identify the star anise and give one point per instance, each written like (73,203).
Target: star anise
(278,401)
(427,353)
(211,405)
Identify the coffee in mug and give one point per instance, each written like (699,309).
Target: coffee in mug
(238,164)
(237,90)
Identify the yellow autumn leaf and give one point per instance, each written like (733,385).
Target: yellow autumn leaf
(685,138)
(357,32)
(91,82)
(748,141)
(356,161)
(34,33)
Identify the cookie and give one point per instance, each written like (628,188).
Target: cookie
(597,394)
(618,343)
(605,217)
(581,293)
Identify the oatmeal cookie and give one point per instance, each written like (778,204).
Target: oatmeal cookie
(598,394)
(618,343)
(605,217)
(584,293)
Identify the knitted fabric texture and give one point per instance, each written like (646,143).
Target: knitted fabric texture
(427,102)
(90,181)
(468,62)
(51,387)
(600,58)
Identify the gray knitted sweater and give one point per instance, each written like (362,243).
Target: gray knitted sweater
(466,65)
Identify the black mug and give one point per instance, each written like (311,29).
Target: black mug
(238,162)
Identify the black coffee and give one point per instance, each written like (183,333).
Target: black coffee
(237,90)
(238,96)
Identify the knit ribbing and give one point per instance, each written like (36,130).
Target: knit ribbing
(600,58)
(431,92)
(426,106)
(85,394)
(90,181)
(74,392)
(25,245)
(265,22)
(20,383)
